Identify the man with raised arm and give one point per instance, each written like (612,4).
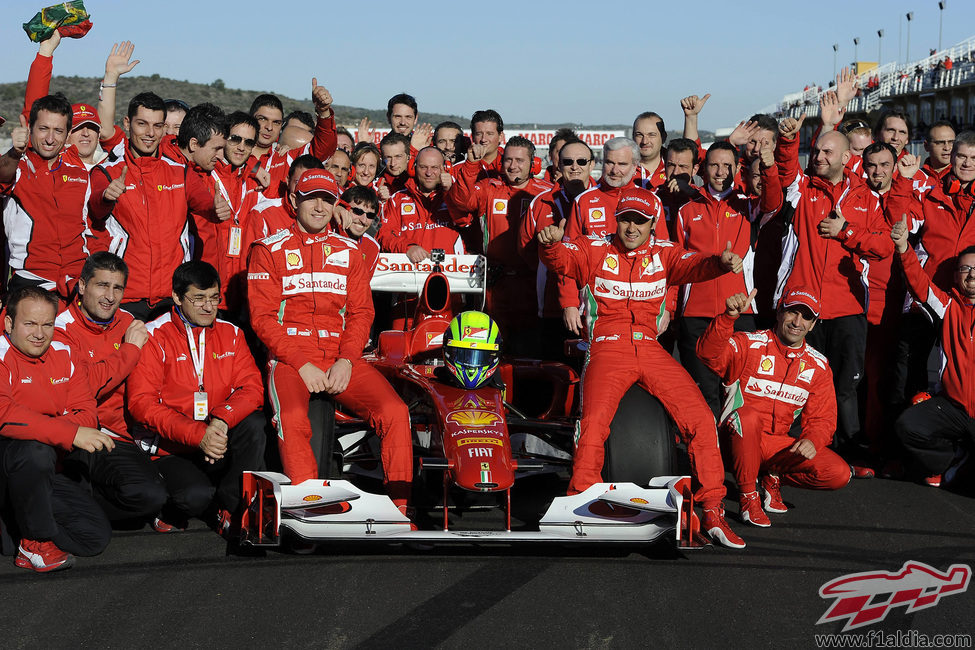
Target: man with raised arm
(836,225)
(626,281)
(770,378)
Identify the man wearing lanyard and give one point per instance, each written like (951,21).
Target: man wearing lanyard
(196,396)
(241,191)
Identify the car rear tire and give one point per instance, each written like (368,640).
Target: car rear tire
(641,444)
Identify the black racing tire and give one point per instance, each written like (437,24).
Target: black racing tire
(641,444)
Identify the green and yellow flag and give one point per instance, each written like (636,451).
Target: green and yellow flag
(69,18)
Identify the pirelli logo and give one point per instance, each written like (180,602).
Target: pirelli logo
(313,283)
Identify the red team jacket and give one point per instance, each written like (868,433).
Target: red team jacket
(44,399)
(147,226)
(108,359)
(161,388)
(706,224)
(832,268)
(45,218)
(956,319)
(944,215)
(298,286)
(779,382)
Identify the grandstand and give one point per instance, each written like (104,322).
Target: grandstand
(926,89)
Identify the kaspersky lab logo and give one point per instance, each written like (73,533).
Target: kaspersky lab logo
(867,598)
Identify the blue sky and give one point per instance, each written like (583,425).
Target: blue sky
(593,63)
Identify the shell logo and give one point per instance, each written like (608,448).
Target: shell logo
(312,497)
(498,206)
(408,208)
(293,259)
(766,364)
(473,418)
(597,214)
(642,502)
(611,263)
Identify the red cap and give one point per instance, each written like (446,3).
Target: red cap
(801,297)
(84,114)
(317,180)
(636,201)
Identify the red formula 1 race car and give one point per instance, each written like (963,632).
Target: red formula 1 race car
(472,445)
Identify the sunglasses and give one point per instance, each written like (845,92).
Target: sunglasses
(236,139)
(360,212)
(581,162)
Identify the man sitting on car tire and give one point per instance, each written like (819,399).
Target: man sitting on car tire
(626,280)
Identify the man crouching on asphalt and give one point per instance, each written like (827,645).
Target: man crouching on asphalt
(770,377)
(626,280)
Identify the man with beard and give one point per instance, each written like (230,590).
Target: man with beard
(836,224)
(772,376)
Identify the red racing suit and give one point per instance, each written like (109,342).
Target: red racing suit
(162,386)
(46,398)
(499,209)
(148,225)
(310,303)
(831,269)
(594,215)
(767,386)
(109,361)
(45,219)
(411,218)
(626,292)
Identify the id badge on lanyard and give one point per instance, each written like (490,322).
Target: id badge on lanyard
(236,232)
(198,355)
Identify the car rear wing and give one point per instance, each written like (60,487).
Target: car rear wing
(395,273)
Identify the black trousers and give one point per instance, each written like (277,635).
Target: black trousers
(689,332)
(843,341)
(195,485)
(42,504)
(933,430)
(916,337)
(124,481)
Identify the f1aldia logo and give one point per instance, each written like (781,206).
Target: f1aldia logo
(866,598)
